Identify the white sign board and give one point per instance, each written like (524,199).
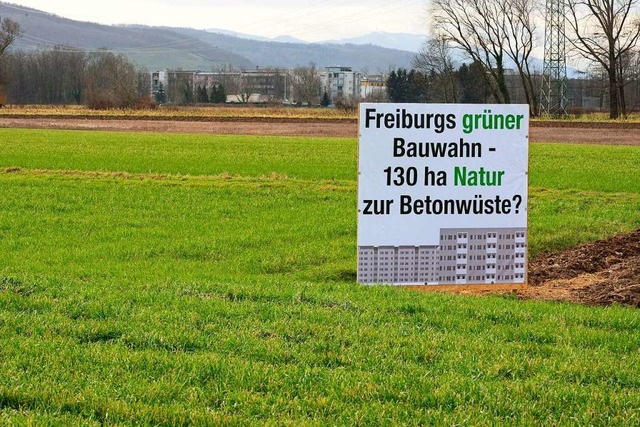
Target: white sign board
(442,193)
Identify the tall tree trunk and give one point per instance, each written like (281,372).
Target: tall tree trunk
(621,84)
(623,103)
(614,108)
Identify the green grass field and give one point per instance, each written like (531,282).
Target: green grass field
(189,279)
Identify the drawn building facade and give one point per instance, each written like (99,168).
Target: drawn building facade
(464,256)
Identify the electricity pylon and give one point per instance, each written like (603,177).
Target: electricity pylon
(553,99)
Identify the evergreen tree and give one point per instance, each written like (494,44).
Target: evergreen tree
(214,94)
(187,92)
(201,94)
(161,96)
(412,86)
(475,89)
(392,84)
(418,87)
(221,95)
(398,86)
(325,101)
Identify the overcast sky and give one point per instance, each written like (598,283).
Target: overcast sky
(311,20)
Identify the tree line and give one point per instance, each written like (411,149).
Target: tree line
(216,95)
(65,75)
(462,85)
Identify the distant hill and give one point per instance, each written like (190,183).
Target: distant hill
(279,39)
(399,41)
(237,34)
(288,39)
(287,54)
(150,47)
(164,47)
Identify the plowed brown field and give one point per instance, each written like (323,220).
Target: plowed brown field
(579,133)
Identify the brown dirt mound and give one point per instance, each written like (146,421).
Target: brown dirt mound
(604,272)
(590,258)
(599,273)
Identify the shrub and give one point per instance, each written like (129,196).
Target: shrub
(145,104)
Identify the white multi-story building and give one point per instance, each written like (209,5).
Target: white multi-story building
(340,82)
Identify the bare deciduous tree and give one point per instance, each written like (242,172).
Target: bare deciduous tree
(53,76)
(111,81)
(471,26)
(143,83)
(436,58)
(245,89)
(605,31)
(490,32)
(520,27)
(9,31)
(306,85)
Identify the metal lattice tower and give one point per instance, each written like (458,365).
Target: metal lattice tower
(553,99)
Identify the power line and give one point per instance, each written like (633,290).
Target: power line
(357,16)
(171,45)
(302,12)
(157,48)
(26,9)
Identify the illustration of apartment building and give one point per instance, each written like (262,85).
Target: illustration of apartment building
(464,256)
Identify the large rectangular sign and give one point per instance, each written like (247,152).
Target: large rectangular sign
(442,193)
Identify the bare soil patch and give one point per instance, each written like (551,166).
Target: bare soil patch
(604,272)
(572,132)
(218,126)
(599,273)
(584,133)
